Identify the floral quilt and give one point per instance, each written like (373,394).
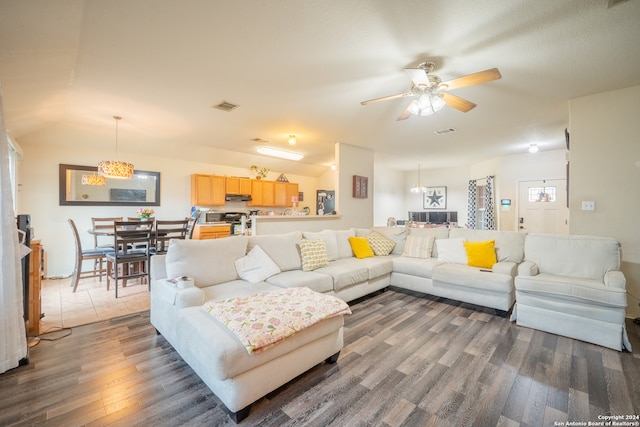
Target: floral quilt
(264,320)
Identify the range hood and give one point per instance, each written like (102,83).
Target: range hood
(238,197)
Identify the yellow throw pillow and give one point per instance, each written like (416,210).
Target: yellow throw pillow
(360,247)
(313,254)
(481,254)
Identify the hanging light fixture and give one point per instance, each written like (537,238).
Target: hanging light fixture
(94,179)
(115,168)
(533,148)
(292,140)
(418,188)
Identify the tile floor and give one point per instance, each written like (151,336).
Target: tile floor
(62,308)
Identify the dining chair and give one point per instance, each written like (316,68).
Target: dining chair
(167,230)
(101,228)
(98,255)
(192,225)
(130,259)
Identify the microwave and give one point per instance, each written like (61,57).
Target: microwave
(213,217)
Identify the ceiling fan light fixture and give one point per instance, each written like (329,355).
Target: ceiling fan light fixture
(426,104)
(274,152)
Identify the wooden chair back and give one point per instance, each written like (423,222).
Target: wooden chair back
(167,230)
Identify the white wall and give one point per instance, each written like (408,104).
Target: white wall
(389,200)
(604,153)
(38,195)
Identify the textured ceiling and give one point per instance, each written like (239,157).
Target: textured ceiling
(302,67)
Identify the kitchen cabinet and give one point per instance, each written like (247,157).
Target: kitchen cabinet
(208,190)
(206,232)
(262,192)
(284,192)
(236,185)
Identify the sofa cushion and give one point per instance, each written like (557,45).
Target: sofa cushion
(281,248)
(418,246)
(330,242)
(563,288)
(509,244)
(449,274)
(481,254)
(209,262)
(346,272)
(360,247)
(452,250)
(589,257)
(378,265)
(397,234)
(342,240)
(419,267)
(313,254)
(381,245)
(256,266)
(319,282)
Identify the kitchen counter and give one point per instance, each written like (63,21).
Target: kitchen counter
(275,224)
(211,230)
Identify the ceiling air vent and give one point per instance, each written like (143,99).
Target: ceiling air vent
(444,131)
(225,106)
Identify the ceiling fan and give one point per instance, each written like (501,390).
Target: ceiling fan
(431,92)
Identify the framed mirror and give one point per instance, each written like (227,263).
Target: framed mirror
(142,190)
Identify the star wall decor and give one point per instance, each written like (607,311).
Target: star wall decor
(435,198)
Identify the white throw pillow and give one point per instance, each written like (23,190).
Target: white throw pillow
(452,250)
(418,246)
(256,266)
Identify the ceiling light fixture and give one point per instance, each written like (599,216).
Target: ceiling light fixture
(418,188)
(427,103)
(115,168)
(533,148)
(274,152)
(334,167)
(292,140)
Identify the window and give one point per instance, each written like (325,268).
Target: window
(541,194)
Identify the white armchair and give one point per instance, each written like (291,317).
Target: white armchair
(572,286)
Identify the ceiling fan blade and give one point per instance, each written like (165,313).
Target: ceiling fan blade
(405,114)
(418,76)
(458,103)
(384,98)
(473,79)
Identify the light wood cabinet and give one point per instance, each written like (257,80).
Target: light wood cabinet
(206,232)
(208,190)
(284,193)
(262,192)
(35,287)
(237,185)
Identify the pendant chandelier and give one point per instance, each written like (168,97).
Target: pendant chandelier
(94,179)
(115,168)
(418,188)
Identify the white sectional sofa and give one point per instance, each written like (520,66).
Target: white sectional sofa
(430,260)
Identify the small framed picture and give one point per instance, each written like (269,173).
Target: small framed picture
(435,198)
(360,184)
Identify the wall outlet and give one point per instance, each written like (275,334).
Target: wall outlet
(588,205)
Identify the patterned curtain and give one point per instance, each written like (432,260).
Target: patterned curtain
(472,204)
(489,212)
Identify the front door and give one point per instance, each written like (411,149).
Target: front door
(542,206)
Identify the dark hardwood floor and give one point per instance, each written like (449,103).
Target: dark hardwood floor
(408,360)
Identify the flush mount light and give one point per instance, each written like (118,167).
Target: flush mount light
(274,152)
(533,148)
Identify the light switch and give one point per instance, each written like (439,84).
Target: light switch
(588,205)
